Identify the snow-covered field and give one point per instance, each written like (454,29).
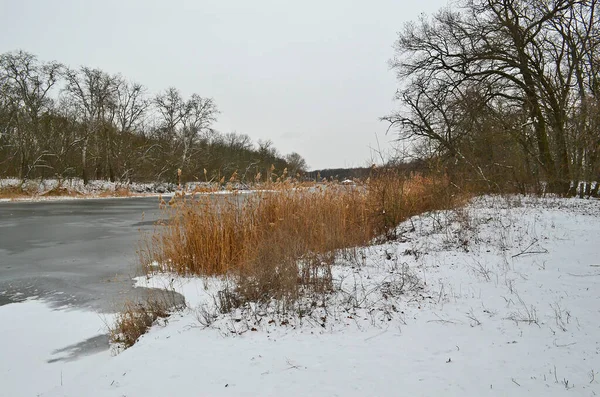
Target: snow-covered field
(501,297)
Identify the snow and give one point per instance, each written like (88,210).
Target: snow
(498,298)
(42,347)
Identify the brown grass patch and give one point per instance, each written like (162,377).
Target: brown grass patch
(61,191)
(14,192)
(135,319)
(393,198)
(205,189)
(118,192)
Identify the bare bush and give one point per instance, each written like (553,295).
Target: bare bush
(134,320)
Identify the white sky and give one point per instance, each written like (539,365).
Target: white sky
(310,75)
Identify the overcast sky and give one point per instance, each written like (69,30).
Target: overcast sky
(310,75)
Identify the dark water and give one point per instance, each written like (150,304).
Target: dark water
(77,252)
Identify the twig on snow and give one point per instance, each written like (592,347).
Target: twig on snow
(527,252)
(584,275)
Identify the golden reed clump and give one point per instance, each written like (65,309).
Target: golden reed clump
(278,241)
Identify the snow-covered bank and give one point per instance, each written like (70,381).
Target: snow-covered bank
(498,298)
(41,347)
(75,189)
(72,189)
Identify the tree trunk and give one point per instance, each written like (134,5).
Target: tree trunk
(588,188)
(23,166)
(546,159)
(84,174)
(109,156)
(534,108)
(573,189)
(594,192)
(563,174)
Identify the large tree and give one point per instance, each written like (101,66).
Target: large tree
(519,59)
(296,164)
(92,94)
(25,85)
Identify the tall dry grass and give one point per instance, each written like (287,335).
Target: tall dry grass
(393,198)
(281,243)
(13,192)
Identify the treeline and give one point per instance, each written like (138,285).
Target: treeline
(504,93)
(61,122)
(341,174)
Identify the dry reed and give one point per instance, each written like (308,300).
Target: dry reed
(135,319)
(281,243)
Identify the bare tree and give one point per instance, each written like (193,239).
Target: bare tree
(92,93)
(131,108)
(132,105)
(514,54)
(171,109)
(26,86)
(237,141)
(198,116)
(296,164)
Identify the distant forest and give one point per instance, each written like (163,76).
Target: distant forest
(58,122)
(341,174)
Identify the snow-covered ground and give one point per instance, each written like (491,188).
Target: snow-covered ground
(41,347)
(499,298)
